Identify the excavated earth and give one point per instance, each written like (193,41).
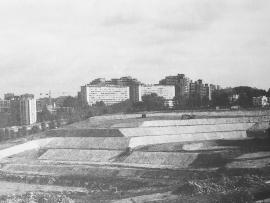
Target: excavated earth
(213,157)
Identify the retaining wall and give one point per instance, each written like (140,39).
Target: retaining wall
(226,113)
(84,133)
(119,143)
(175,159)
(160,139)
(205,121)
(174,130)
(35,144)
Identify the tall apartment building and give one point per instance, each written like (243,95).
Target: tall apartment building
(123,81)
(8,96)
(109,94)
(166,91)
(23,110)
(127,81)
(14,111)
(4,105)
(201,90)
(28,109)
(98,81)
(181,83)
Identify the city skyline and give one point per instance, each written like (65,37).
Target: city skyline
(58,46)
(108,82)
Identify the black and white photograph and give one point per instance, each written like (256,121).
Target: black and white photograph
(134,101)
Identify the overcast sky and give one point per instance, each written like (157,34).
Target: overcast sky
(59,45)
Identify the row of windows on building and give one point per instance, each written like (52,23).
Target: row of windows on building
(115,94)
(115,90)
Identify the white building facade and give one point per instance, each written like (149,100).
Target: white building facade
(28,110)
(109,94)
(262,101)
(165,91)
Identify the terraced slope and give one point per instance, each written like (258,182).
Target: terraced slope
(177,130)
(204,121)
(114,143)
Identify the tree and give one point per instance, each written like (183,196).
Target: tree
(125,106)
(247,93)
(45,115)
(244,100)
(205,101)
(151,102)
(181,101)
(194,100)
(70,102)
(268,93)
(220,98)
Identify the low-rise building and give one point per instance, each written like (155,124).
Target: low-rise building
(233,98)
(262,101)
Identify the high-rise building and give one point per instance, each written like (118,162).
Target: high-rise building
(133,85)
(28,110)
(4,105)
(109,94)
(15,111)
(199,89)
(165,91)
(98,81)
(23,110)
(126,81)
(8,96)
(181,83)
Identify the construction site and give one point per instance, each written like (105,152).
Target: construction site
(217,156)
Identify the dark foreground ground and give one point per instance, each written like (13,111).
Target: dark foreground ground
(217,176)
(224,171)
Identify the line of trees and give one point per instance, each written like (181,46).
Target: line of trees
(222,98)
(245,95)
(74,110)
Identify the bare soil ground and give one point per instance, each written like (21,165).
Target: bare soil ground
(225,182)
(222,171)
